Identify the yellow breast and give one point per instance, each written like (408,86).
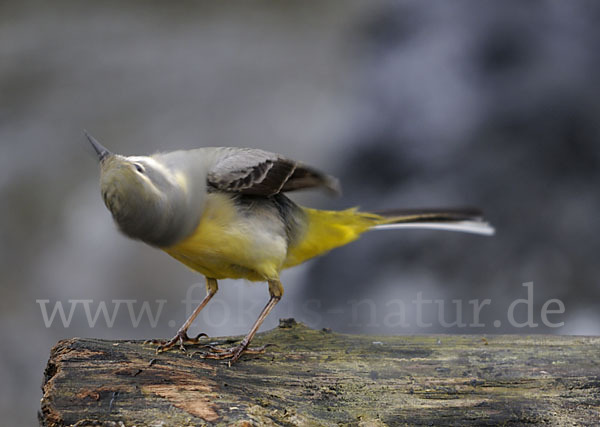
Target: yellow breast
(228,244)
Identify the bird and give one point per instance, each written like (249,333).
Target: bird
(224,213)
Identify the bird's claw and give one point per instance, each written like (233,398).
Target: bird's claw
(232,353)
(180,338)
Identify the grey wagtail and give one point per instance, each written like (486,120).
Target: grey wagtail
(223,213)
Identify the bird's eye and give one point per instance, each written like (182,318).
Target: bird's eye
(139,167)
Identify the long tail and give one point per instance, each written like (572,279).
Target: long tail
(462,220)
(327,230)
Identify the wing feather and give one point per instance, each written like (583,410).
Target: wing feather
(261,173)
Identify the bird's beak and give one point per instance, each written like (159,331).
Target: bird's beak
(100,150)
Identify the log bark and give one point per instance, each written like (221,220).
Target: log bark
(317,377)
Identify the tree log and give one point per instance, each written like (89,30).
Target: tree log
(312,377)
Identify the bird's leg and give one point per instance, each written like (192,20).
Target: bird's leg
(234,353)
(182,337)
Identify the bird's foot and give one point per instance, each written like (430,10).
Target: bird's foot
(232,353)
(180,338)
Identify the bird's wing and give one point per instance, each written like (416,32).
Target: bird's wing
(261,173)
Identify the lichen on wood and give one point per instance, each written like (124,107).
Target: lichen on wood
(317,377)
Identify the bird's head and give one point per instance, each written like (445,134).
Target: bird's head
(148,200)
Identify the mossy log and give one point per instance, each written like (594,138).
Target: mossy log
(315,377)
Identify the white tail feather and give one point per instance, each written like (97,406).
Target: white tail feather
(475,227)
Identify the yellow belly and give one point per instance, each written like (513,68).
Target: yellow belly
(227,244)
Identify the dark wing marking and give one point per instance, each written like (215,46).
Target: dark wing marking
(260,173)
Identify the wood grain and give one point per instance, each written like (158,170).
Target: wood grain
(323,378)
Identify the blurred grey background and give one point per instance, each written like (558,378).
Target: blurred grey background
(410,103)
